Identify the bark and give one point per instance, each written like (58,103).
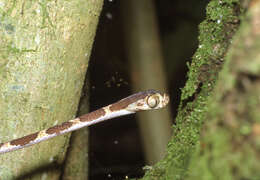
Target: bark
(76,164)
(44,51)
(229,145)
(216,31)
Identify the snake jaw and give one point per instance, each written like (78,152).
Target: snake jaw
(166,99)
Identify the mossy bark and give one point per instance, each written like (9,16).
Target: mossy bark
(229,147)
(44,52)
(222,21)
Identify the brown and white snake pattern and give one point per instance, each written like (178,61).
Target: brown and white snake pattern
(146,100)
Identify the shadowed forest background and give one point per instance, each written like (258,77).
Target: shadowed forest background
(61,59)
(177,24)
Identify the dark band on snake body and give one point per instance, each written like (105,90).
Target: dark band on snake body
(145,100)
(93,115)
(58,128)
(24,140)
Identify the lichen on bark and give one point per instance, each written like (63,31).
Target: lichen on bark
(44,52)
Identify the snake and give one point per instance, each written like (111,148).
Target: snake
(145,100)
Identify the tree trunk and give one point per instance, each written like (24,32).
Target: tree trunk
(44,51)
(229,145)
(222,21)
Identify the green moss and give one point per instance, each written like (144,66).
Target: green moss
(214,39)
(229,145)
(222,11)
(206,169)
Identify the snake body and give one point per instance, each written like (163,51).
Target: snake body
(146,100)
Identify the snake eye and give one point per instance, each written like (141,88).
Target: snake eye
(152,101)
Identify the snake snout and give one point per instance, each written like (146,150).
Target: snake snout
(166,99)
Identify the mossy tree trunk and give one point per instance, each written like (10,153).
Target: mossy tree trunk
(44,52)
(200,103)
(229,147)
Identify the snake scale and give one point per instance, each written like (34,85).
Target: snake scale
(146,100)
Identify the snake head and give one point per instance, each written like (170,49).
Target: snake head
(150,99)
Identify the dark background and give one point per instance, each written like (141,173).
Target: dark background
(115,150)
